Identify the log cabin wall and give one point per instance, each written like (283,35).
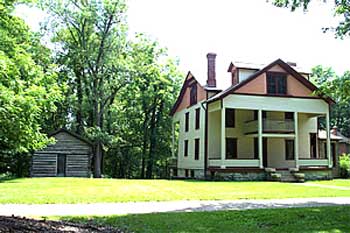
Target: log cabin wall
(69,156)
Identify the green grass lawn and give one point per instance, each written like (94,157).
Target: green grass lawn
(309,220)
(82,190)
(337,182)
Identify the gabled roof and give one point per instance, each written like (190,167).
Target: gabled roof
(77,136)
(189,78)
(284,66)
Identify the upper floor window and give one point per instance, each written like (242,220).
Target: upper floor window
(276,83)
(230,117)
(187,119)
(193,94)
(197,118)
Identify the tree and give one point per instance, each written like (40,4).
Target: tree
(91,37)
(338,88)
(341,8)
(28,89)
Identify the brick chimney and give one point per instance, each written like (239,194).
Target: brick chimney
(232,70)
(211,81)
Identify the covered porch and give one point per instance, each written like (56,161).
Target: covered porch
(246,137)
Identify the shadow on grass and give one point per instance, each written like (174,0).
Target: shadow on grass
(309,220)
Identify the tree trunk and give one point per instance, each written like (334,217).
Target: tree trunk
(79,113)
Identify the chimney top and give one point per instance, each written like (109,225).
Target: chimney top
(292,63)
(211,81)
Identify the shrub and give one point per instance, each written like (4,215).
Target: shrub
(344,162)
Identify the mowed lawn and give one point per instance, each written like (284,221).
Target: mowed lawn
(309,220)
(85,190)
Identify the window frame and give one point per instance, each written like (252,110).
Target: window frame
(185,148)
(187,121)
(196,148)
(287,150)
(193,94)
(235,148)
(197,118)
(230,124)
(276,77)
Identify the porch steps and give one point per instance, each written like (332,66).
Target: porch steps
(291,175)
(286,176)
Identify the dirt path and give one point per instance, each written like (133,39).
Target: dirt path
(170,206)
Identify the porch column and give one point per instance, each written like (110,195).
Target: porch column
(223,138)
(296,140)
(260,138)
(328,141)
(173,140)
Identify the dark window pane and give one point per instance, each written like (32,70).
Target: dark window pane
(196,149)
(187,118)
(192,173)
(186,172)
(197,117)
(193,94)
(256,115)
(289,149)
(276,83)
(231,148)
(289,115)
(186,148)
(256,148)
(313,148)
(230,117)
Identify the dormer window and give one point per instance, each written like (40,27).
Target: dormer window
(276,83)
(193,94)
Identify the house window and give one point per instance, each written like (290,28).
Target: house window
(313,145)
(192,173)
(187,118)
(289,116)
(185,148)
(186,172)
(289,149)
(230,117)
(276,84)
(196,149)
(193,94)
(231,148)
(256,148)
(198,112)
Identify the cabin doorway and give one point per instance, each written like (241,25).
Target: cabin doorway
(61,165)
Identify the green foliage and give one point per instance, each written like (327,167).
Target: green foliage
(341,10)
(120,90)
(338,88)
(344,163)
(28,89)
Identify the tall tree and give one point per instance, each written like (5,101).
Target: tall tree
(337,87)
(28,88)
(91,35)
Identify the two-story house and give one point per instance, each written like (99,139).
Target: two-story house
(267,118)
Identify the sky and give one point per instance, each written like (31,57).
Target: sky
(251,31)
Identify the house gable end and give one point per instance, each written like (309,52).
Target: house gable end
(183,100)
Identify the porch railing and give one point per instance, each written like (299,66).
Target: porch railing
(312,162)
(235,162)
(278,126)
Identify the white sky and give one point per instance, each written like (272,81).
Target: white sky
(237,30)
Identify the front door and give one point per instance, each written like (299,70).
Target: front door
(265,152)
(61,165)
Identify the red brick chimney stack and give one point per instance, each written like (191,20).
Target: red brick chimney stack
(211,81)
